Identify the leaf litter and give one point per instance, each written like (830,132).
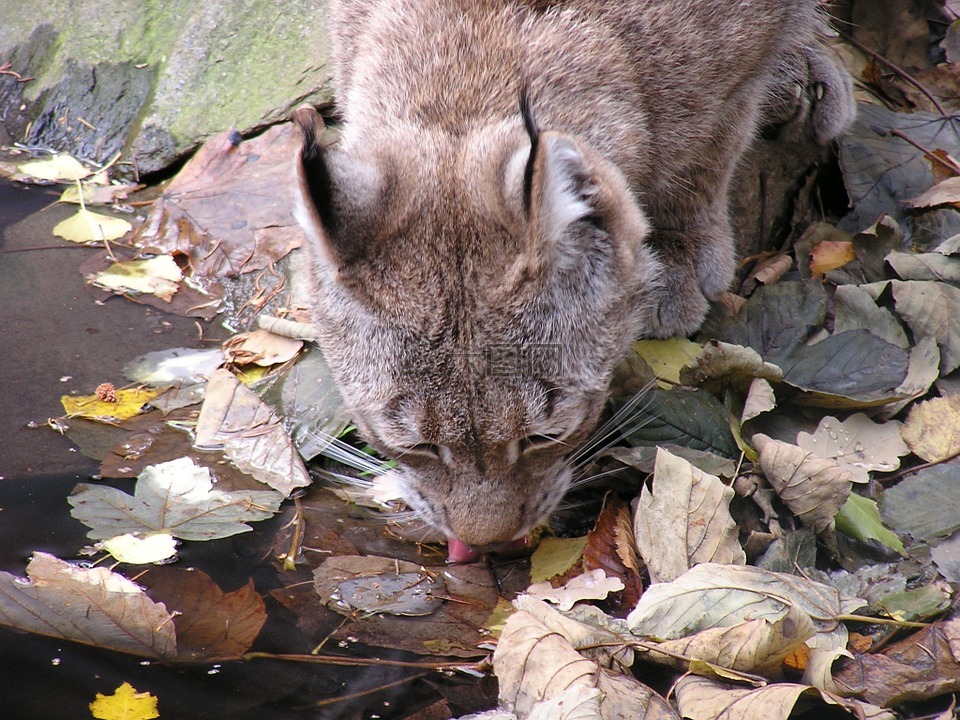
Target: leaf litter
(814,407)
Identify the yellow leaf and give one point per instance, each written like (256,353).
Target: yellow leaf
(829,255)
(125,704)
(158,276)
(153,548)
(59,168)
(932,429)
(128,404)
(555,556)
(667,357)
(85,226)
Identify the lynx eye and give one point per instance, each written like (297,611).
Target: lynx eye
(423,450)
(532,443)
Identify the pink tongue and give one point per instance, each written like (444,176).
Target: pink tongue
(457,552)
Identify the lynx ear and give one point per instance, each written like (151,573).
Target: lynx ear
(332,190)
(558,190)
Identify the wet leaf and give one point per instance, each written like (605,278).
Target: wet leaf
(151,548)
(813,488)
(60,168)
(591,585)
(95,194)
(228,210)
(348,584)
(858,443)
(125,704)
(211,624)
(918,604)
(704,699)
(158,276)
(128,404)
(261,348)
(234,419)
(174,366)
(685,520)
(175,497)
(86,226)
(932,429)
(92,606)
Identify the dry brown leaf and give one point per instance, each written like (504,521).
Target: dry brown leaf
(534,663)
(813,488)
(685,520)
(261,347)
(945,192)
(704,699)
(234,419)
(210,623)
(228,210)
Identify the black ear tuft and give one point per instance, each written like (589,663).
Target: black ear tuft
(530,124)
(314,172)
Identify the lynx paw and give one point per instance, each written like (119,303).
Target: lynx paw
(811,91)
(680,309)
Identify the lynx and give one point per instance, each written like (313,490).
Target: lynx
(518,191)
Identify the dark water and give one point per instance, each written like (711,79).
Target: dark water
(54,340)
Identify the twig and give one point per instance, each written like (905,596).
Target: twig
(950,164)
(371,691)
(360,662)
(894,68)
(918,468)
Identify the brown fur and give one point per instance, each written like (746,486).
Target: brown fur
(480,269)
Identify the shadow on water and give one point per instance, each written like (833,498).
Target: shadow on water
(55,340)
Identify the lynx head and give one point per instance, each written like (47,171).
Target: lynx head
(473,295)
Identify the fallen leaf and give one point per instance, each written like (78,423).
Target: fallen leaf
(924,505)
(858,443)
(128,404)
(175,497)
(158,276)
(813,488)
(60,168)
(732,364)
(228,211)
(591,585)
(86,226)
(151,548)
(94,194)
(932,429)
(534,663)
(945,192)
(210,624)
(555,557)
(760,399)
(830,255)
(666,357)
(234,419)
(92,606)
(261,348)
(125,704)
(859,517)
(174,366)
(925,266)
(685,520)
(706,699)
